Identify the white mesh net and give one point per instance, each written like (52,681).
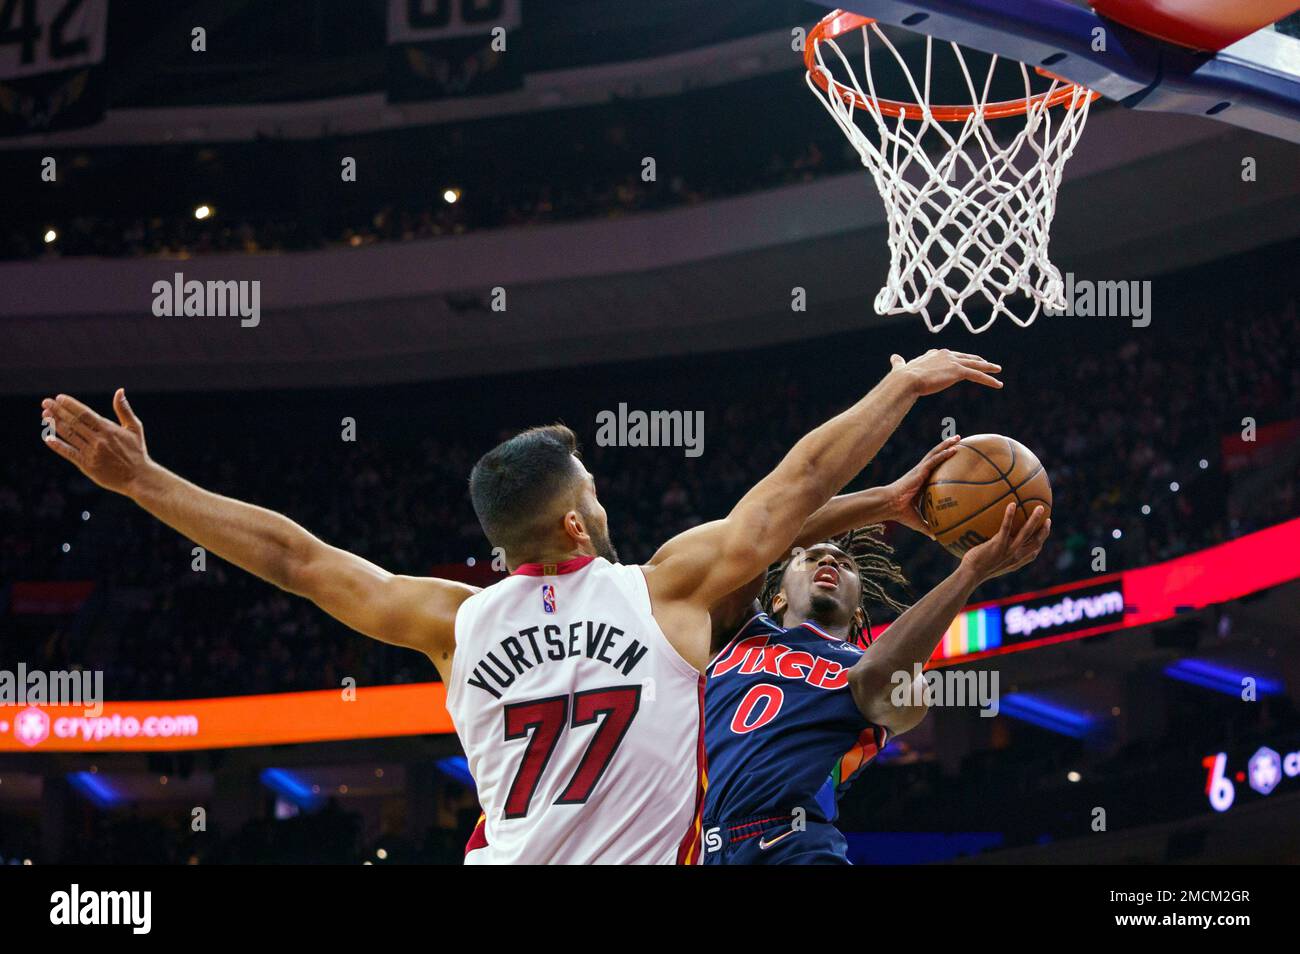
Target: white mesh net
(969,218)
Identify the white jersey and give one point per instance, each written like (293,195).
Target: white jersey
(581,722)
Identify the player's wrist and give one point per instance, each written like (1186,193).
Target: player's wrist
(904,381)
(969,574)
(145,482)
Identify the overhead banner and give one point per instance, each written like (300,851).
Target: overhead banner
(448,48)
(1103,604)
(1071,611)
(51,56)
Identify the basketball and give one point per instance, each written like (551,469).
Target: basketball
(965,498)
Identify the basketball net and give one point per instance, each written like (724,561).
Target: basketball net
(968,218)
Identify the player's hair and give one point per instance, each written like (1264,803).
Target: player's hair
(513,484)
(877,572)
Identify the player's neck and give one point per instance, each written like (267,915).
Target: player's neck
(554,555)
(838,630)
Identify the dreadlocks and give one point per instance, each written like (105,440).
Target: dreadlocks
(876,571)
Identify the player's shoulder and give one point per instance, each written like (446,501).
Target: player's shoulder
(755,624)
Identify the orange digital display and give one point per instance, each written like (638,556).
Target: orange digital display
(323,716)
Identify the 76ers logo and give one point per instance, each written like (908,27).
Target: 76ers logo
(548,598)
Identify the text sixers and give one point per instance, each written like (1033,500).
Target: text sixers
(756,655)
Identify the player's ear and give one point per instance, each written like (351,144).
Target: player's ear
(779,603)
(575,528)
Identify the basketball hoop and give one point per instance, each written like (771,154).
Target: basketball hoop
(967,217)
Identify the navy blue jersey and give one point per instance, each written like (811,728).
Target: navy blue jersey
(781,729)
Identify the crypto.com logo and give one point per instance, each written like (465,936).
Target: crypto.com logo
(31,727)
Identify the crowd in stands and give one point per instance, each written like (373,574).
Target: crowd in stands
(271,196)
(1129,424)
(1119,419)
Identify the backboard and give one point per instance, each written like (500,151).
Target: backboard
(1227,60)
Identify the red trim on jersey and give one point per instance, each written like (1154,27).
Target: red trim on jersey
(761,821)
(824,635)
(688,852)
(736,839)
(478,837)
(731,642)
(552,569)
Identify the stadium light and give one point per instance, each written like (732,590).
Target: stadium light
(451,196)
(289,787)
(96,789)
(1048,715)
(203,212)
(51,236)
(1220,677)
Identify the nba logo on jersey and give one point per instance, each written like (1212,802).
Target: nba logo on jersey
(548,598)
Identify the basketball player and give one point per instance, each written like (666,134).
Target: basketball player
(799,698)
(575,683)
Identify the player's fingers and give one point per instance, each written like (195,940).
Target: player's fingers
(1008,516)
(932,460)
(979,364)
(947,447)
(979,377)
(937,458)
(67,427)
(83,414)
(125,415)
(63,449)
(896,361)
(1030,530)
(68,423)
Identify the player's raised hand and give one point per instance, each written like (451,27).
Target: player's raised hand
(1009,551)
(939,369)
(112,455)
(905,492)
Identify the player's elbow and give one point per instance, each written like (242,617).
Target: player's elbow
(895,700)
(743,553)
(298,567)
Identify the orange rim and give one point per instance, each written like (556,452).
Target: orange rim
(837,23)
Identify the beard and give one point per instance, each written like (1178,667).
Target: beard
(604,548)
(823,605)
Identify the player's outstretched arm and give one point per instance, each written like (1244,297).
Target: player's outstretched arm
(703,566)
(415,612)
(912,639)
(895,502)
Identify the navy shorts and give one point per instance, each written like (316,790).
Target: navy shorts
(773,840)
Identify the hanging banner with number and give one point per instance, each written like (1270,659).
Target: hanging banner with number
(51,53)
(445,48)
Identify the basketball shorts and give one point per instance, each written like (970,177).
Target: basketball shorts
(773,840)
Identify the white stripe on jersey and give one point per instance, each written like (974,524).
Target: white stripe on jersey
(548,671)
